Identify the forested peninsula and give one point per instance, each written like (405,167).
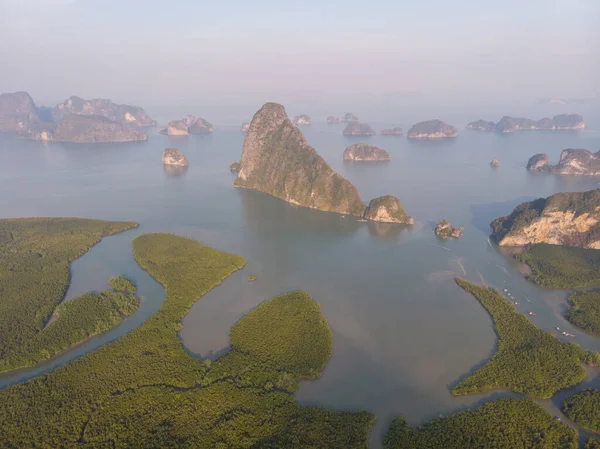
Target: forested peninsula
(34,258)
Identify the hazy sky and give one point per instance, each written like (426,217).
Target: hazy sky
(165,52)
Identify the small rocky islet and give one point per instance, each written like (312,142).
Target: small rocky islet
(302,120)
(432,129)
(392,132)
(358,129)
(445,230)
(75,120)
(173,156)
(188,125)
(509,124)
(572,162)
(361,152)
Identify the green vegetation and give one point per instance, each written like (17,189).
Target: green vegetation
(34,276)
(502,424)
(592,443)
(122,284)
(278,160)
(584,409)
(529,360)
(76,320)
(584,311)
(558,266)
(145,390)
(251,278)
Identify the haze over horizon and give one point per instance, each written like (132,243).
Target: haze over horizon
(177,56)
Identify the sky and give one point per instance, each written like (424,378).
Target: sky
(180,54)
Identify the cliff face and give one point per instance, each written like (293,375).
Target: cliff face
(17,112)
(121,113)
(93,128)
(572,162)
(176,128)
(578,162)
(173,156)
(276,159)
(387,209)
(364,152)
(539,162)
(392,132)
(358,129)
(432,129)
(561,219)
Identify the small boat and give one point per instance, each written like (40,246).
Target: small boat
(505,290)
(531,314)
(566,334)
(516,303)
(362,220)
(557,328)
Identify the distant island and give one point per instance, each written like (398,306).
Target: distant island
(173,156)
(349,117)
(234,167)
(563,219)
(189,125)
(358,129)
(392,132)
(245,127)
(75,120)
(331,120)
(495,163)
(445,230)
(364,152)
(572,162)
(387,209)
(511,124)
(432,129)
(276,159)
(302,120)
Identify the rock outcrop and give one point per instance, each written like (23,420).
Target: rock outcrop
(578,162)
(276,159)
(93,128)
(511,124)
(18,112)
(358,129)
(445,230)
(200,126)
(539,162)
(349,117)
(392,132)
(245,127)
(302,120)
(482,125)
(432,129)
(235,167)
(132,116)
(189,125)
(364,152)
(572,162)
(387,209)
(176,128)
(331,120)
(562,219)
(495,163)
(173,156)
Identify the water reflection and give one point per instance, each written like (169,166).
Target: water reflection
(387,231)
(174,171)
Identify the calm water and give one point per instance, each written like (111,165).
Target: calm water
(404,333)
